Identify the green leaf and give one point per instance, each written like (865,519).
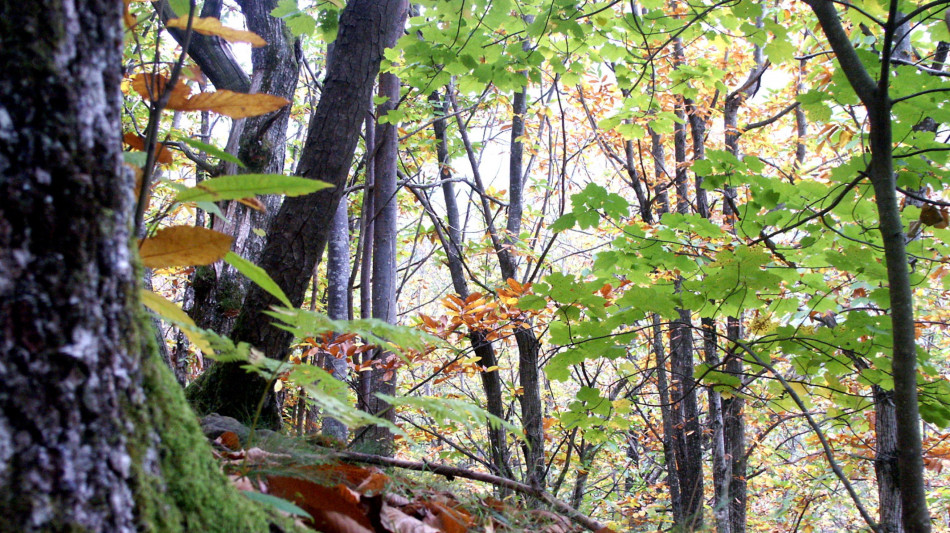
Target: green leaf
(563,223)
(278,503)
(181,7)
(247,185)
(258,276)
(209,149)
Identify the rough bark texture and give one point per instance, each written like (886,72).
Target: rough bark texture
(885,462)
(301,227)
(94,431)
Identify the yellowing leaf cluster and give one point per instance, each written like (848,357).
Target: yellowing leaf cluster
(224,102)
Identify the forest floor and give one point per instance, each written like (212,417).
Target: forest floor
(327,490)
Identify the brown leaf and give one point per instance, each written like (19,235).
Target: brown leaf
(126,15)
(930,215)
(399,522)
(230,440)
(184,246)
(334,509)
(253,203)
(213,26)
(232,104)
(150,87)
(162,155)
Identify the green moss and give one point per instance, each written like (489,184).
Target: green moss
(179,486)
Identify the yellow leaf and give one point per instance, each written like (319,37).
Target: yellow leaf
(168,310)
(232,104)
(183,246)
(151,86)
(213,26)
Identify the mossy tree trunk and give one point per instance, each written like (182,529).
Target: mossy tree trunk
(94,432)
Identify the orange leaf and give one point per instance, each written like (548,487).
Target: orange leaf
(515,286)
(184,246)
(232,104)
(230,440)
(151,86)
(332,508)
(213,26)
(162,155)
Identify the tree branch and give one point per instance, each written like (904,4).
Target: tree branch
(452,472)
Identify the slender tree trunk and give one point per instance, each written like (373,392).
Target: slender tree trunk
(94,431)
(301,227)
(383,376)
(915,516)
(338,276)
(885,461)
(666,416)
(451,240)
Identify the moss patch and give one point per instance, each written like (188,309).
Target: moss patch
(178,484)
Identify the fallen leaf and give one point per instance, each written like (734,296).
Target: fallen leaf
(230,440)
(399,522)
(334,509)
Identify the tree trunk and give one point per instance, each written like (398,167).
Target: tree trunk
(383,375)
(94,431)
(885,461)
(338,276)
(301,227)
(915,516)
(451,240)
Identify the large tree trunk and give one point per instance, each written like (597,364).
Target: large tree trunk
(300,229)
(94,431)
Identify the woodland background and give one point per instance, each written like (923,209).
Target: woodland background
(676,264)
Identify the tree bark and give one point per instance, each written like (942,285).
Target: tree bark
(383,375)
(94,431)
(338,276)
(301,227)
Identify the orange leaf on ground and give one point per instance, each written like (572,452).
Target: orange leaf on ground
(334,509)
(229,440)
(162,155)
(150,87)
(184,246)
(213,26)
(232,104)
